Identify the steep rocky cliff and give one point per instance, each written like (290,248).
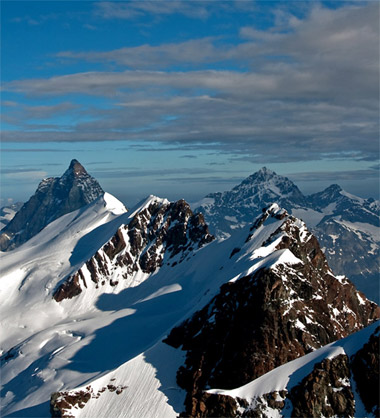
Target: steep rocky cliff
(54,197)
(162,232)
(289,307)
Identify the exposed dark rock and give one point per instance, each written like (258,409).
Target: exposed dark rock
(62,402)
(162,230)
(210,405)
(70,288)
(326,391)
(365,367)
(53,198)
(267,319)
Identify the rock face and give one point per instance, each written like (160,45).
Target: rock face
(326,391)
(366,367)
(160,232)
(278,313)
(53,198)
(346,226)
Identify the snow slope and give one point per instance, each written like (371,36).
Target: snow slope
(108,344)
(49,346)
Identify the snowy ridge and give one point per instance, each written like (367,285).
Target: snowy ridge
(90,349)
(30,272)
(157,232)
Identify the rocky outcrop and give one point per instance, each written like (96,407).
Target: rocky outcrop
(53,198)
(330,389)
(326,391)
(268,318)
(162,232)
(365,368)
(64,404)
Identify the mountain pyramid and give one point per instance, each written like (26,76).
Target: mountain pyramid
(54,197)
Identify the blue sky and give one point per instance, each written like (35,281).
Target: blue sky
(183,98)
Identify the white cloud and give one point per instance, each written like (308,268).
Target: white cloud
(309,87)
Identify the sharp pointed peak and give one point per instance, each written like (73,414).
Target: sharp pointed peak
(262,175)
(75,169)
(334,187)
(265,170)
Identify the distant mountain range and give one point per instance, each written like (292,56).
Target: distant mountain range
(346,226)
(146,313)
(7,213)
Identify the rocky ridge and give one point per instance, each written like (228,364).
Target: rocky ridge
(330,388)
(288,307)
(160,232)
(54,197)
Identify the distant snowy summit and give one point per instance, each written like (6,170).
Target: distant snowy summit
(347,226)
(7,213)
(54,197)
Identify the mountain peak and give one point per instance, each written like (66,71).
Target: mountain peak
(264,174)
(265,170)
(75,168)
(54,197)
(334,188)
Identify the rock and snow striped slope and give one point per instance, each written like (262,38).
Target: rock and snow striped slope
(102,348)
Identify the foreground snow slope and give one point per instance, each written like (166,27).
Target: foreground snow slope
(50,346)
(103,346)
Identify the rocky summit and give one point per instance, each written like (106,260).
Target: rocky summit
(54,197)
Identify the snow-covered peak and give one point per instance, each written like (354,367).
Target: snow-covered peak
(228,211)
(54,197)
(114,205)
(151,199)
(264,174)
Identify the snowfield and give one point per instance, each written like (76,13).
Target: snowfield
(108,341)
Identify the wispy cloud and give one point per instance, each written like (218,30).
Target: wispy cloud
(135,9)
(33,21)
(334,176)
(187,53)
(307,88)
